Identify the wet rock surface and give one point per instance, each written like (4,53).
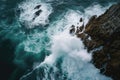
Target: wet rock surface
(102,38)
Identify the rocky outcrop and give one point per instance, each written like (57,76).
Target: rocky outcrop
(102,38)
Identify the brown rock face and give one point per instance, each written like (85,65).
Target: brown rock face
(105,41)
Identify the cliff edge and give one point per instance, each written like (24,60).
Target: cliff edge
(102,38)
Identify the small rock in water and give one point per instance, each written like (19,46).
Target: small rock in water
(81,19)
(37,13)
(37,7)
(72,30)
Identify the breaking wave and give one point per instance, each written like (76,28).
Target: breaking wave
(46,47)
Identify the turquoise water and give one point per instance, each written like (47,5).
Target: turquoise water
(42,48)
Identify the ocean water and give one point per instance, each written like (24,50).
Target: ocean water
(35,43)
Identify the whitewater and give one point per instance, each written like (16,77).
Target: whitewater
(46,43)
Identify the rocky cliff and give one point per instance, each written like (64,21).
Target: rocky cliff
(102,38)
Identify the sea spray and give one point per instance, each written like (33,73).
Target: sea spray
(68,59)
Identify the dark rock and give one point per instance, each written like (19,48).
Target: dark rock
(37,13)
(72,30)
(37,7)
(81,19)
(105,31)
(81,28)
(83,36)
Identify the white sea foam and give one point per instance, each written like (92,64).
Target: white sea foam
(76,60)
(64,44)
(27,17)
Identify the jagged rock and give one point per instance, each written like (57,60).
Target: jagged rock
(37,7)
(83,36)
(105,32)
(72,30)
(37,13)
(81,28)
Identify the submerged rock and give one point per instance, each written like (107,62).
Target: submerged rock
(105,33)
